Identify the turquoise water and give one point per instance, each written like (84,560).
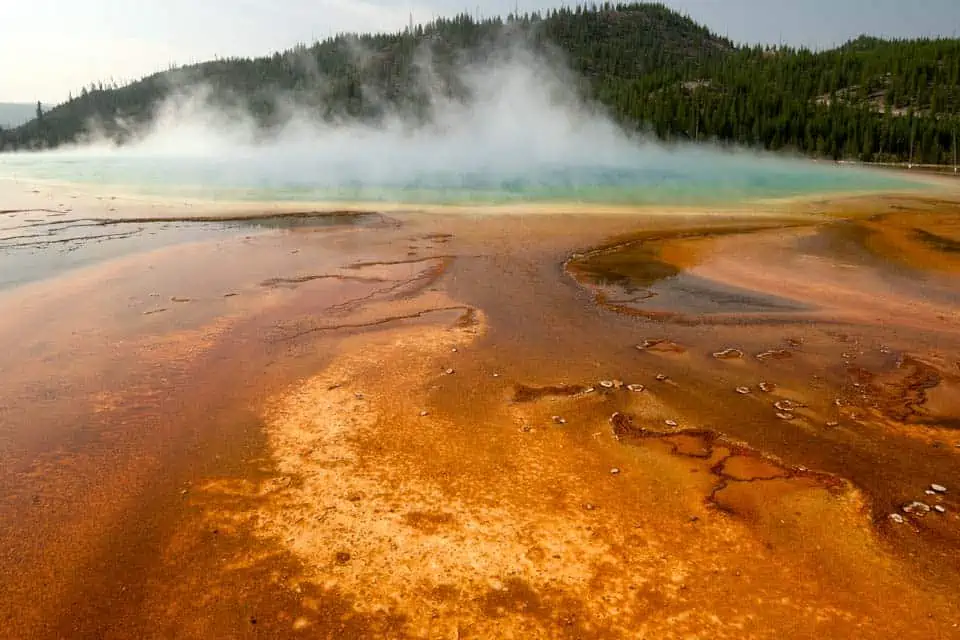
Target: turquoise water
(649,176)
(36,245)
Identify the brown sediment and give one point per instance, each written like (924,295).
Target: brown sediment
(437,237)
(523,393)
(294,461)
(397,287)
(468,318)
(99,236)
(748,468)
(4,212)
(661,345)
(939,243)
(905,396)
(729,461)
(775,354)
(912,392)
(428,522)
(273,282)
(251,217)
(390,263)
(463,312)
(923,235)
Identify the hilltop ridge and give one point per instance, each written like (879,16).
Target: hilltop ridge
(652,68)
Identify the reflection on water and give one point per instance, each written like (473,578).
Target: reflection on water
(693,294)
(35,245)
(634,276)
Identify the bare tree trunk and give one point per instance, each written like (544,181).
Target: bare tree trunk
(913,132)
(954,147)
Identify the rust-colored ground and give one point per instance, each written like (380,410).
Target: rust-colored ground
(493,426)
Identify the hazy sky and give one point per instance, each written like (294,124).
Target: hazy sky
(51,47)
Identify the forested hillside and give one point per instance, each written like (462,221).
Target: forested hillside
(654,69)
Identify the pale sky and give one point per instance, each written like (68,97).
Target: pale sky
(51,47)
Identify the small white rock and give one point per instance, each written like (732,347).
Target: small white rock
(939,508)
(930,492)
(896,517)
(559,420)
(939,488)
(743,390)
(918,508)
(615,471)
(636,388)
(661,377)
(728,354)
(424,414)
(606,384)
(670,423)
(449,372)
(785,416)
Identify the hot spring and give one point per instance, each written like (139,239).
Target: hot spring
(523,136)
(650,176)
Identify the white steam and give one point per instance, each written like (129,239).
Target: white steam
(523,115)
(524,128)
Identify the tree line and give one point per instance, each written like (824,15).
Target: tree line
(652,68)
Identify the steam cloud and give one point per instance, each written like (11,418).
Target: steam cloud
(523,129)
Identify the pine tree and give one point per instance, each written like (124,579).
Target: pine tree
(653,69)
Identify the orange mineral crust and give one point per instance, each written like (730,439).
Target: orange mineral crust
(468,425)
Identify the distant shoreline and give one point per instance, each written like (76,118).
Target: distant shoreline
(937,169)
(111,203)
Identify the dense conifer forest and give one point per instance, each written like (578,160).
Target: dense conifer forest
(653,69)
